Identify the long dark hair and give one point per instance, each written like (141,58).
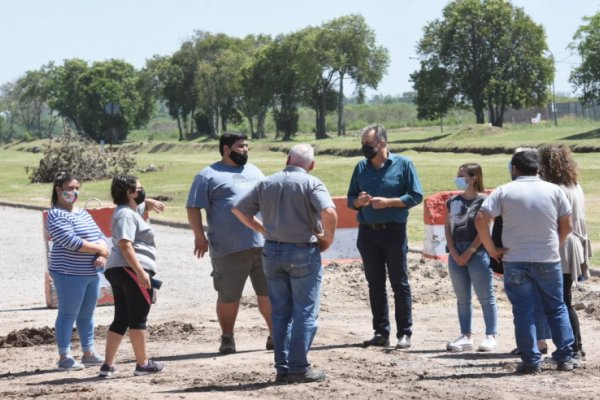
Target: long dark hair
(59,181)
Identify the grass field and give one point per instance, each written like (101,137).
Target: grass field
(179,162)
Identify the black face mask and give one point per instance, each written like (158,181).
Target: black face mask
(141,197)
(239,159)
(369,151)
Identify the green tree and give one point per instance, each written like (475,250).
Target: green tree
(256,94)
(433,96)
(32,92)
(586,77)
(356,56)
(278,63)
(492,55)
(339,50)
(9,110)
(217,77)
(169,80)
(65,91)
(82,93)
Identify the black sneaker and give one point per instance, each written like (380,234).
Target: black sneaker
(281,378)
(107,371)
(377,340)
(525,369)
(152,367)
(305,377)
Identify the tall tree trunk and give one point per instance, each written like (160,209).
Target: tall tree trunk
(250,119)
(479,115)
(224,123)
(341,123)
(260,123)
(184,119)
(181,137)
(321,119)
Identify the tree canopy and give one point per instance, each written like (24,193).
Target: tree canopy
(211,81)
(586,77)
(484,53)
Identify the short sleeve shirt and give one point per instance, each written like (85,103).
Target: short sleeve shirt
(215,189)
(530,210)
(128,224)
(290,202)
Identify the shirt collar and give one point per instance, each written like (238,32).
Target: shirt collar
(294,168)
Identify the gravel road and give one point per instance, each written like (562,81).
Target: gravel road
(23,263)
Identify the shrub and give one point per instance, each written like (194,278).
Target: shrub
(82,157)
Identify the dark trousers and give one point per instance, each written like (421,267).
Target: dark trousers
(568,283)
(132,305)
(384,249)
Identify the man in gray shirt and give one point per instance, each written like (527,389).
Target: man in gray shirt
(299,221)
(536,221)
(235,250)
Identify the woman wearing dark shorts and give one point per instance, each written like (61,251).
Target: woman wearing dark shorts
(129,268)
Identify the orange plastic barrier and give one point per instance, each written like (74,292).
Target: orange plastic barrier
(103,218)
(434,216)
(343,248)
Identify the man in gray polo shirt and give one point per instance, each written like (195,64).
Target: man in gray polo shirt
(299,221)
(536,221)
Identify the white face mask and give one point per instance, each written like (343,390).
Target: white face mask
(461,183)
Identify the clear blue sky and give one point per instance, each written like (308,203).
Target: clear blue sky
(33,32)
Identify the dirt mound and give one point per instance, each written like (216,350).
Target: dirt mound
(28,337)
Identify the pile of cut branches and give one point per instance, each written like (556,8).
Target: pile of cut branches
(82,157)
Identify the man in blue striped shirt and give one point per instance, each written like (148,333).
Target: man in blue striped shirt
(383,187)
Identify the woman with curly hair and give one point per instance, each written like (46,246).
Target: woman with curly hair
(557,166)
(129,269)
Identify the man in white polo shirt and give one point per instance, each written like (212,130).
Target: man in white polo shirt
(536,220)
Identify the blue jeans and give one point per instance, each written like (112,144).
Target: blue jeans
(521,281)
(476,273)
(542,329)
(77,297)
(294,275)
(382,249)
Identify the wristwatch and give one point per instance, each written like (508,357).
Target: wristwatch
(473,250)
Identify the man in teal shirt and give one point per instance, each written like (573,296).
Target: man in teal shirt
(383,187)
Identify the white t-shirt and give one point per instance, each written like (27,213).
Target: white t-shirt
(530,209)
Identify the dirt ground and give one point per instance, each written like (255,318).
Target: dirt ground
(184,334)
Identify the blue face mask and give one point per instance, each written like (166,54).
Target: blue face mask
(461,183)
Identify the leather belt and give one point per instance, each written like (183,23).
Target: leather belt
(312,244)
(379,227)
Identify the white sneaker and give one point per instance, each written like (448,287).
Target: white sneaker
(488,344)
(461,343)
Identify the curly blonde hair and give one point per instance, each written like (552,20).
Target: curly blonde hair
(557,165)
